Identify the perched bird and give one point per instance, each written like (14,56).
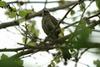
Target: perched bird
(52,29)
(50,25)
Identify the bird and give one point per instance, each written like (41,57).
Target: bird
(50,25)
(53,30)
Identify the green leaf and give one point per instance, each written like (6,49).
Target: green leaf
(81,35)
(31,43)
(32,28)
(11,14)
(32,32)
(3,4)
(24,13)
(18,62)
(10,62)
(98,3)
(3,57)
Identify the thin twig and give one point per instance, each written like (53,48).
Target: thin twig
(87,18)
(86,9)
(82,53)
(78,57)
(94,15)
(67,13)
(45,4)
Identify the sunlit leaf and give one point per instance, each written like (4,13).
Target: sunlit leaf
(32,28)
(31,34)
(3,4)
(31,43)
(24,13)
(11,14)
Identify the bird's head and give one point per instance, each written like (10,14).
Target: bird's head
(45,11)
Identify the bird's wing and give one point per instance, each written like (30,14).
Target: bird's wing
(47,25)
(54,20)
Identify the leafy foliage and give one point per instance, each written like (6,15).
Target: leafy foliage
(11,14)
(30,34)
(5,61)
(80,35)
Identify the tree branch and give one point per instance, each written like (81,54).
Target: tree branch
(46,46)
(40,2)
(8,24)
(37,49)
(16,22)
(12,50)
